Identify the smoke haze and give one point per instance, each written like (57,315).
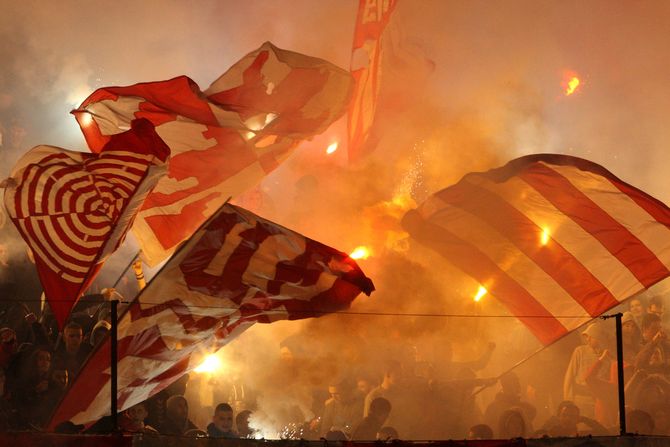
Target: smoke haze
(469,86)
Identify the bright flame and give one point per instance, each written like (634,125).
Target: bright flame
(211,364)
(544,237)
(360,253)
(573,83)
(480,293)
(331,148)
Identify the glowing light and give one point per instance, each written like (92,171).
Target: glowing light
(480,294)
(544,237)
(573,83)
(331,148)
(211,364)
(86,119)
(360,253)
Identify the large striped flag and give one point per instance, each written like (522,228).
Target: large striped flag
(223,140)
(238,269)
(557,239)
(366,60)
(74,209)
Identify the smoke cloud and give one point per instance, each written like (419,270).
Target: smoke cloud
(469,86)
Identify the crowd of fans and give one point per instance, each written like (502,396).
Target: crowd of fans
(402,399)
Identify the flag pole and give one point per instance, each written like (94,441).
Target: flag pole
(619,369)
(114,366)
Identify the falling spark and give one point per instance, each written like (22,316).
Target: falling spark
(571,82)
(211,364)
(360,253)
(331,148)
(544,237)
(480,293)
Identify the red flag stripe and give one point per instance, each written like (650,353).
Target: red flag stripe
(573,276)
(620,242)
(480,267)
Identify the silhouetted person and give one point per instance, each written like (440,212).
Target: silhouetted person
(222,423)
(367,429)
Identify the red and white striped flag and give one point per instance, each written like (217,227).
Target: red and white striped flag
(238,269)
(74,209)
(552,237)
(366,61)
(223,140)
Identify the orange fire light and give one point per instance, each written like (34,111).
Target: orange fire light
(361,252)
(571,82)
(331,148)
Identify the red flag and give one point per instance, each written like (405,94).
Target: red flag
(237,269)
(74,209)
(366,59)
(557,239)
(223,140)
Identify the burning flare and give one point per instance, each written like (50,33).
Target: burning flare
(360,252)
(544,237)
(211,364)
(570,82)
(331,148)
(480,294)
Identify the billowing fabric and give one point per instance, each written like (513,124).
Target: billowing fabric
(366,61)
(557,239)
(238,269)
(223,140)
(74,209)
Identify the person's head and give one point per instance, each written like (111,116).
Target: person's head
(380,408)
(363,386)
(480,431)
(510,384)
(639,422)
(656,305)
(137,413)
(73,334)
(651,325)
(8,339)
(42,361)
(177,408)
(335,435)
(60,377)
(335,393)
(392,374)
(596,337)
(242,423)
(223,417)
(387,433)
(636,307)
(568,414)
(512,424)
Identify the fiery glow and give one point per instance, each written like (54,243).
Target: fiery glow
(86,119)
(480,293)
(544,237)
(361,252)
(571,82)
(211,364)
(331,148)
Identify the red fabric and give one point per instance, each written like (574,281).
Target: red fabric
(550,236)
(223,140)
(239,269)
(73,209)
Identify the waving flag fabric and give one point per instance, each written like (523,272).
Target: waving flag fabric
(237,269)
(223,140)
(552,237)
(366,60)
(74,209)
